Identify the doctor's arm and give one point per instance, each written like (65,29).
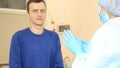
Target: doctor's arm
(73,43)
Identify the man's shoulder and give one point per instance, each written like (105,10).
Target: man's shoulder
(50,32)
(21,32)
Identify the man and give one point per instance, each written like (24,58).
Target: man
(35,47)
(103,50)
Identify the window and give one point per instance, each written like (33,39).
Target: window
(13,4)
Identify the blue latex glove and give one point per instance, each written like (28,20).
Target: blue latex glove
(74,43)
(104,17)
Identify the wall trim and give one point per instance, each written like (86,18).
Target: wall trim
(12,11)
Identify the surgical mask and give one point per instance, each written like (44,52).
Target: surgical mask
(103,16)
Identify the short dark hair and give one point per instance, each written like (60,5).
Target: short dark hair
(35,1)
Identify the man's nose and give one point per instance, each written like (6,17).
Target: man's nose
(39,14)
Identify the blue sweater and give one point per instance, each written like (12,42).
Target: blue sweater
(29,50)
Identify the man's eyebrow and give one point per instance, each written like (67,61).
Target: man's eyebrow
(42,9)
(35,9)
(38,9)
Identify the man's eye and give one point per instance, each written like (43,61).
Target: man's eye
(35,11)
(42,11)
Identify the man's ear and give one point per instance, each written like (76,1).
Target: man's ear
(27,14)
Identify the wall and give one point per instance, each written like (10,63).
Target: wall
(11,21)
(82,15)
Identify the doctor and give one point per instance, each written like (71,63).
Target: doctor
(103,50)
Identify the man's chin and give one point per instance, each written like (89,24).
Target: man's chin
(39,24)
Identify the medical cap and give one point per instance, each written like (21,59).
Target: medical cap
(112,6)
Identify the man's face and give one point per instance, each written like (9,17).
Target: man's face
(37,13)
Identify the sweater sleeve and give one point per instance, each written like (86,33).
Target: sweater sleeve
(14,57)
(58,61)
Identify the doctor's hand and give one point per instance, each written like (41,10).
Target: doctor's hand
(74,43)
